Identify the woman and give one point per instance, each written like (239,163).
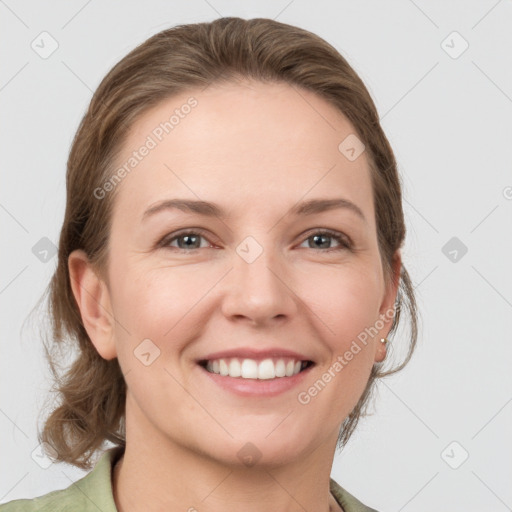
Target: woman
(230,271)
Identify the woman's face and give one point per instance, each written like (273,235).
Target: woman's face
(258,275)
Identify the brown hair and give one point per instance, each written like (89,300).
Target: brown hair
(92,390)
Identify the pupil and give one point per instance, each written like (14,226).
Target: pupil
(316,237)
(189,238)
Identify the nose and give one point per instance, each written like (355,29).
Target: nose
(259,290)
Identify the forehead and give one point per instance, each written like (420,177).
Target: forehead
(239,144)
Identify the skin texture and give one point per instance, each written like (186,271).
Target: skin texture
(256,150)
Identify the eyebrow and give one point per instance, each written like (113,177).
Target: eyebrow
(310,207)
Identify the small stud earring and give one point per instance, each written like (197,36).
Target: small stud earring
(384,340)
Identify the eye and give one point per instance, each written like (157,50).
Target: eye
(319,237)
(187,240)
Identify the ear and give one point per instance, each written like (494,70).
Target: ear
(93,299)
(387,308)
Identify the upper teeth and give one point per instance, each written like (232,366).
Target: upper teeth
(252,369)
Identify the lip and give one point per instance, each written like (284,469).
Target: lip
(257,387)
(257,355)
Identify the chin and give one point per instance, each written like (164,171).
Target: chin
(255,450)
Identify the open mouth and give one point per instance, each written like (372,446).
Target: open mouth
(270,368)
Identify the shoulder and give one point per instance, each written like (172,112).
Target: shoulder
(55,501)
(92,492)
(346,500)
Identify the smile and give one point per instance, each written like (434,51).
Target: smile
(246,368)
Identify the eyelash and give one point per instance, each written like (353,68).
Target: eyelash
(343,240)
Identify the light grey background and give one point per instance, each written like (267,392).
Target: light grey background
(448,120)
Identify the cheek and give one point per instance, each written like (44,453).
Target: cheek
(347,306)
(170,303)
(346,301)
(158,303)
(158,311)
(155,300)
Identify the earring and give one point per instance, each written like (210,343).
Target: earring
(384,340)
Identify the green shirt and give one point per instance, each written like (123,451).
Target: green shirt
(93,493)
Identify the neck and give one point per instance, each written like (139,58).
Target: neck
(155,473)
